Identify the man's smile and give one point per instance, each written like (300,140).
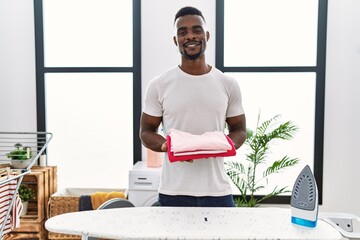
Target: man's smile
(192,44)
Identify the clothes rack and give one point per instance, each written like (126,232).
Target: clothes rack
(19,147)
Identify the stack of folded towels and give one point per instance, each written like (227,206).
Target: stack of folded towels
(183,146)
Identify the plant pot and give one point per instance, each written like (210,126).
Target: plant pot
(20,163)
(25,208)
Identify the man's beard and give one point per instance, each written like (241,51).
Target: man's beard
(194,56)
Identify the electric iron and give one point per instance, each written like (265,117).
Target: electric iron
(304,199)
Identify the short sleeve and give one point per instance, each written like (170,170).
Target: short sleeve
(152,104)
(235,107)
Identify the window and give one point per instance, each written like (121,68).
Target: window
(276,51)
(89,88)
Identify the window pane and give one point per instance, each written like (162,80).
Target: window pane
(88,33)
(292,95)
(270,33)
(90,115)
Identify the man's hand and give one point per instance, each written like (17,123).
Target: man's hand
(164,147)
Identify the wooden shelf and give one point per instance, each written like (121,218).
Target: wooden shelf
(44,181)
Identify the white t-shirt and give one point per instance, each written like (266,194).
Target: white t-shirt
(195,104)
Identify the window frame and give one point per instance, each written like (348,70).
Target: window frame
(41,70)
(319,69)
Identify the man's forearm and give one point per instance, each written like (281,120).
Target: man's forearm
(153,141)
(238,138)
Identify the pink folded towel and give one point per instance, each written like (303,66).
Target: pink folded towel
(185,142)
(201,147)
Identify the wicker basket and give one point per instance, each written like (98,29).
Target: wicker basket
(66,201)
(62,204)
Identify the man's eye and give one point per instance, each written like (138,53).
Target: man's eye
(181,33)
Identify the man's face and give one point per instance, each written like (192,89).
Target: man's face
(191,36)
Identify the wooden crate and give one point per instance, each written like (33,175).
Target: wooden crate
(50,185)
(32,225)
(52,176)
(36,210)
(29,236)
(30,229)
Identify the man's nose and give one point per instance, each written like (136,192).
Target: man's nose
(191,36)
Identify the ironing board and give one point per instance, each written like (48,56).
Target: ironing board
(188,223)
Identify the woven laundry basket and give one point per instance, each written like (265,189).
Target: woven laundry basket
(66,201)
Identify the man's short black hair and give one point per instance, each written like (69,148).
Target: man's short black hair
(188,11)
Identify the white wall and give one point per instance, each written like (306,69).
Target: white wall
(158,49)
(342,113)
(17,66)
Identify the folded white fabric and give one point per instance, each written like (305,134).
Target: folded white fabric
(199,152)
(209,141)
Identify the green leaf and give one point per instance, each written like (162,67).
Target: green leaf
(281,164)
(275,192)
(26,193)
(19,154)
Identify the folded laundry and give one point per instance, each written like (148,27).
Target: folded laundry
(185,142)
(193,155)
(85,203)
(99,198)
(199,152)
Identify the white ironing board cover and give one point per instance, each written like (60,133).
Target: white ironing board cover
(189,223)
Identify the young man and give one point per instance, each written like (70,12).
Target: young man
(192,97)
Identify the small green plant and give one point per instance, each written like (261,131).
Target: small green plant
(20,153)
(26,193)
(245,177)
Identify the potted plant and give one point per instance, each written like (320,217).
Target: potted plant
(245,176)
(26,193)
(20,157)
